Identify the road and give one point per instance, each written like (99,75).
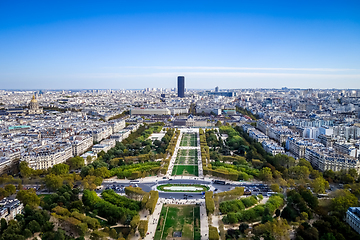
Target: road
(148,184)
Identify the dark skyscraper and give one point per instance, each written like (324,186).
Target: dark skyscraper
(181,86)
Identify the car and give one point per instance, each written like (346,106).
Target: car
(190,196)
(170,179)
(215,189)
(164,178)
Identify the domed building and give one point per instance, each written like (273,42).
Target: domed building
(34,107)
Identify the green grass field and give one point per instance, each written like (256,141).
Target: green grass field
(188,140)
(187,157)
(184,219)
(186,170)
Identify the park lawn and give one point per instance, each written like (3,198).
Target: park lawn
(188,140)
(185,219)
(180,160)
(185,170)
(193,152)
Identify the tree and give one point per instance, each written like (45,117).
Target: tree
(102,172)
(27,233)
(28,197)
(53,182)
(90,182)
(277,229)
(299,172)
(265,174)
(11,189)
(3,224)
(113,233)
(25,171)
(249,155)
(218,124)
(304,216)
(275,188)
(34,226)
(76,162)
(60,168)
(353,173)
(343,201)
(328,236)
(319,185)
(243,227)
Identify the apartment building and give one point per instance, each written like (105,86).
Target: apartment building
(297,146)
(117,125)
(272,147)
(353,218)
(323,159)
(9,208)
(258,136)
(80,144)
(45,157)
(346,148)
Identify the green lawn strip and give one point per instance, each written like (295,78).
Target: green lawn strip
(161,187)
(174,170)
(179,218)
(161,223)
(186,170)
(197,233)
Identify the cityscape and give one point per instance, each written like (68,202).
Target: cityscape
(169,149)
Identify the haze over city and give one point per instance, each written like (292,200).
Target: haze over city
(141,44)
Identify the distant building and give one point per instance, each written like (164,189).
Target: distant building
(223,94)
(150,111)
(216,89)
(181,86)
(353,218)
(34,107)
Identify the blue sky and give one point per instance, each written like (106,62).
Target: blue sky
(140,44)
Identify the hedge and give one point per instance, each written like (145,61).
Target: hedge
(213,233)
(135,221)
(143,227)
(209,202)
(120,201)
(135,192)
(234,193)
(151,203)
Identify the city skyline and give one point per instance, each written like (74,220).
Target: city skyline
(120,45)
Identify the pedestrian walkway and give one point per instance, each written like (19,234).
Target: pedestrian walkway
(204,224)
(153,220)
(173,157)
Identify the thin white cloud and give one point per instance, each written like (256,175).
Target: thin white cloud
(218,75)
(234,68)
